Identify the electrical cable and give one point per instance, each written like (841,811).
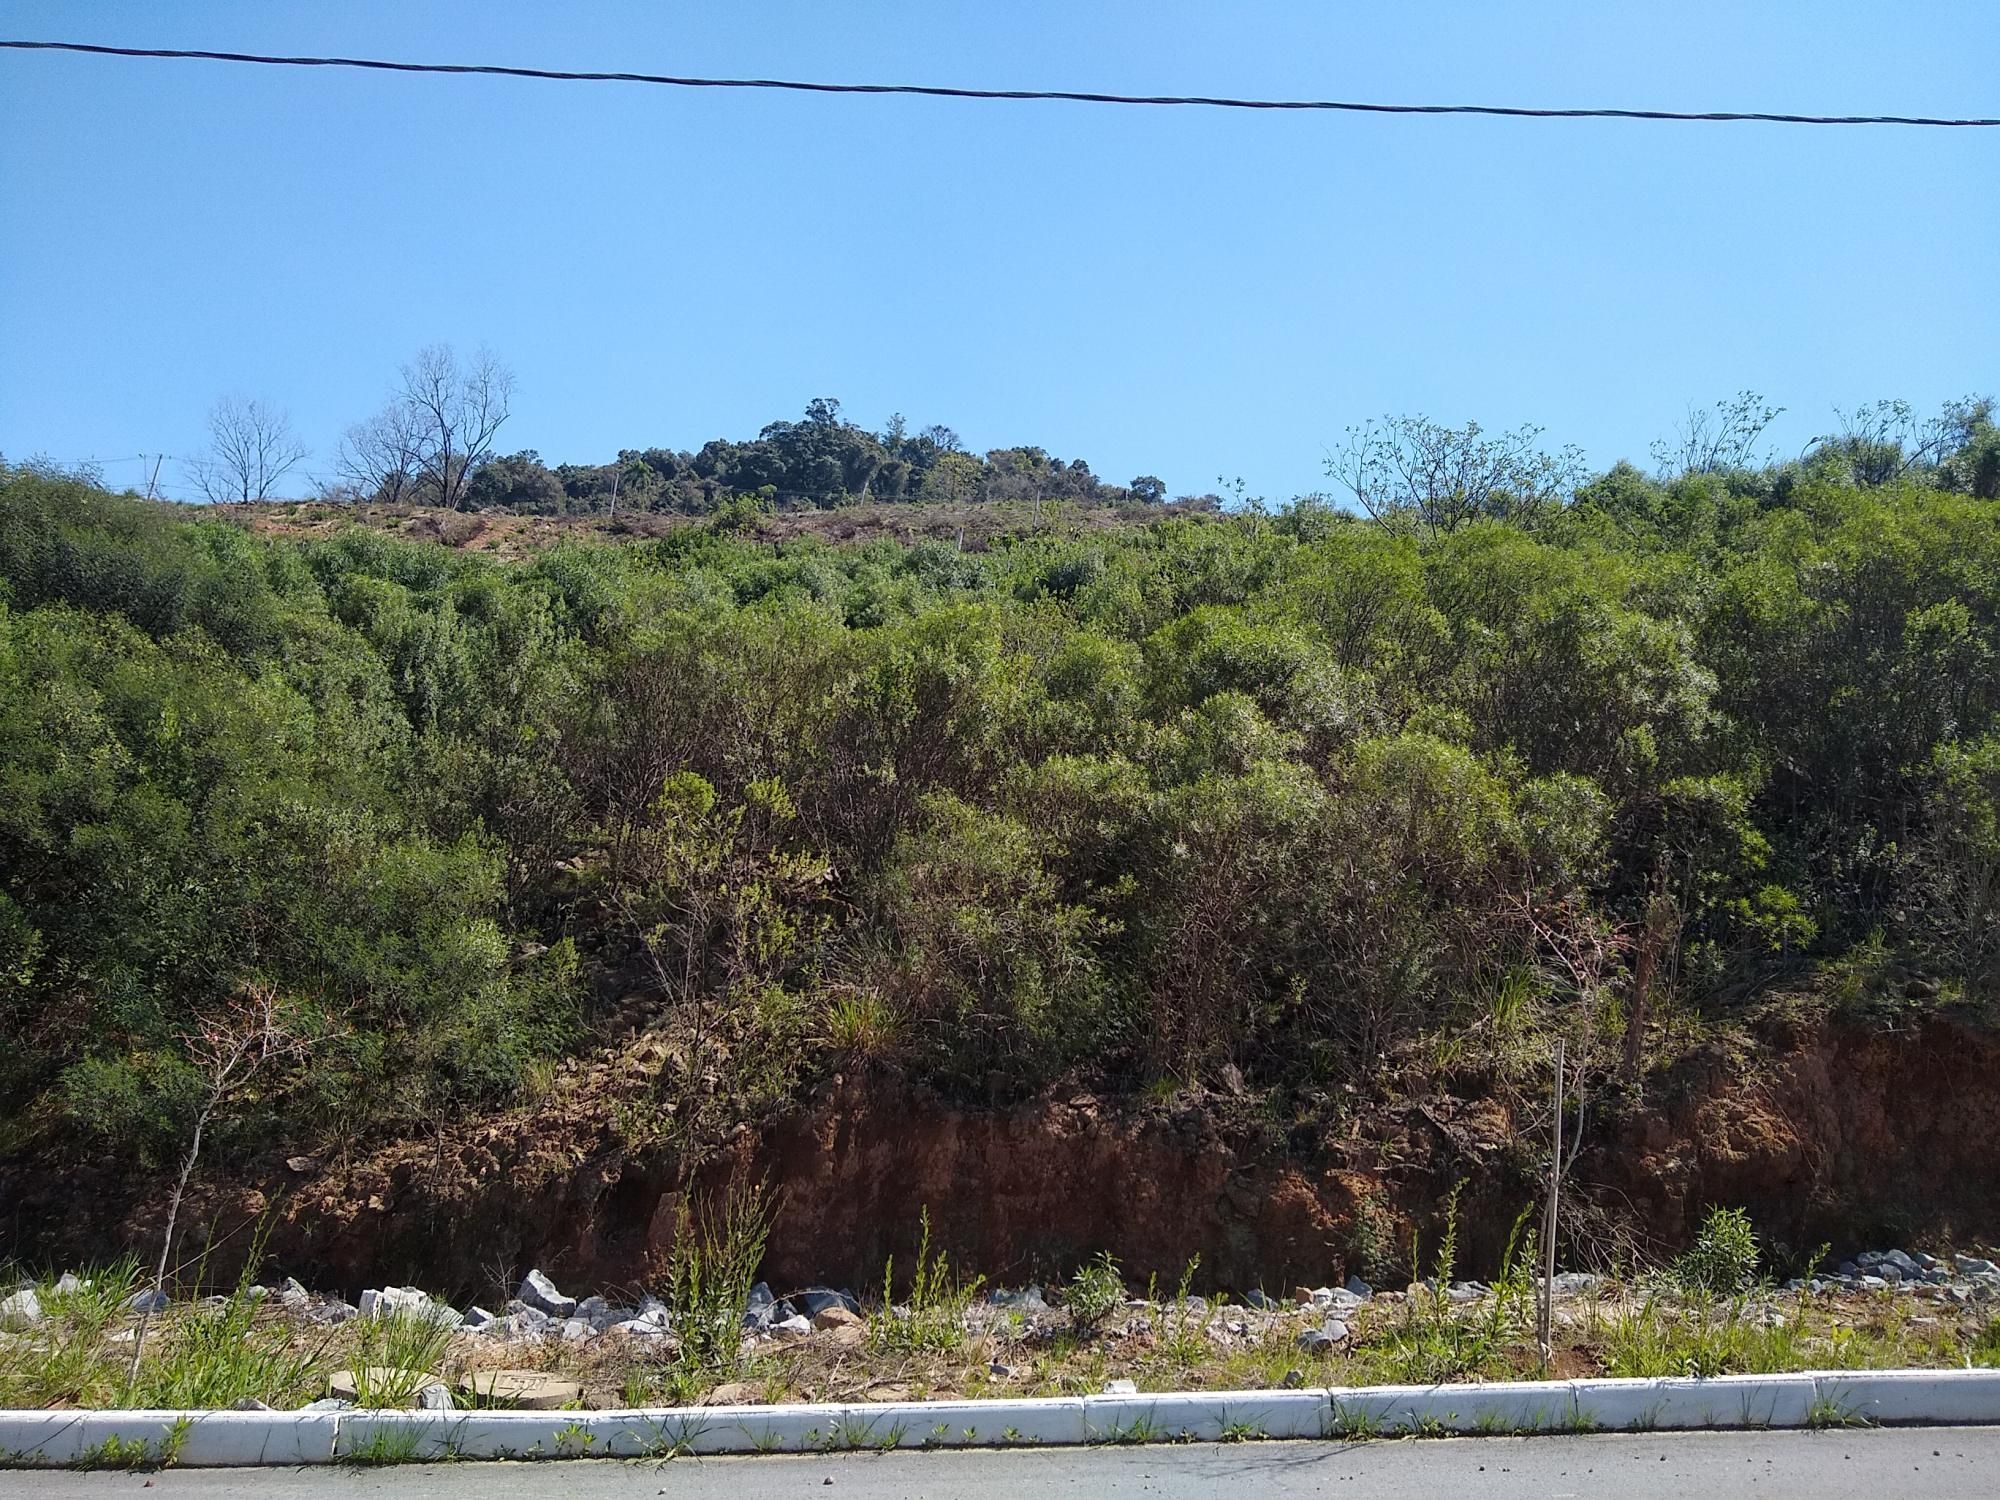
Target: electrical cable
(936,91)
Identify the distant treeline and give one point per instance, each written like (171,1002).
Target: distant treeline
(821,462)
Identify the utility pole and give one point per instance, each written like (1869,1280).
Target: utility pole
(153,479)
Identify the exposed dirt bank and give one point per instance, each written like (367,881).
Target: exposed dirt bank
(1838,1135)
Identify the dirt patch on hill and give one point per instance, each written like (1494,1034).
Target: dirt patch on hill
(1842,1136)
(506,536)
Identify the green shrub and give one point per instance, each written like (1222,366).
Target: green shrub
(1724,1257)
(1094,1293)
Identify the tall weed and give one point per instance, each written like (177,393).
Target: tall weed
(934,1317)
(713,1266)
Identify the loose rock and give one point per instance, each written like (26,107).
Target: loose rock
(526,1323)
(1329,1335)
(394,1301)
(22,1309)
(639,1328)
(540,1293)
(599,1313)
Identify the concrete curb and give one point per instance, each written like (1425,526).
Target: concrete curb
(244,1438)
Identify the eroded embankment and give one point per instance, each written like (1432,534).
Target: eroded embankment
(1840,1136)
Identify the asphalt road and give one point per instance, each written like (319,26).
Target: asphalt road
(1939,1463)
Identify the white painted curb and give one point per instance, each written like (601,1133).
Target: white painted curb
(244,1438)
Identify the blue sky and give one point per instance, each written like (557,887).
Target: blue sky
(1188,293)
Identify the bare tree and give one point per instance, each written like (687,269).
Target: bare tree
(250,448)
(1411,473)
(228,1048)
(1710,441)
(382,456)
(456,410)
(1881,441)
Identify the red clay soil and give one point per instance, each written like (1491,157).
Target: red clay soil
(1845,1137)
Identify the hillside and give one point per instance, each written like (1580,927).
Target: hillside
(589,861)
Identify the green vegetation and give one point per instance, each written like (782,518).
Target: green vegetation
(244,1348)
(1183,1331)
(1094,1293)
(395,1356)
(221,1353)
(934,1316)
(1270,798)
(821,461)
(713,1266)
(1724,1255)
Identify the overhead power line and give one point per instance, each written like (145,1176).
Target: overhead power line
(936,91)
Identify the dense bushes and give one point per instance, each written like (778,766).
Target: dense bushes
(1262,798)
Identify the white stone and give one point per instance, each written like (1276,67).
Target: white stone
(528,1323)
(540,1293)
(22,1309)
(393,1300)
(639,1328)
